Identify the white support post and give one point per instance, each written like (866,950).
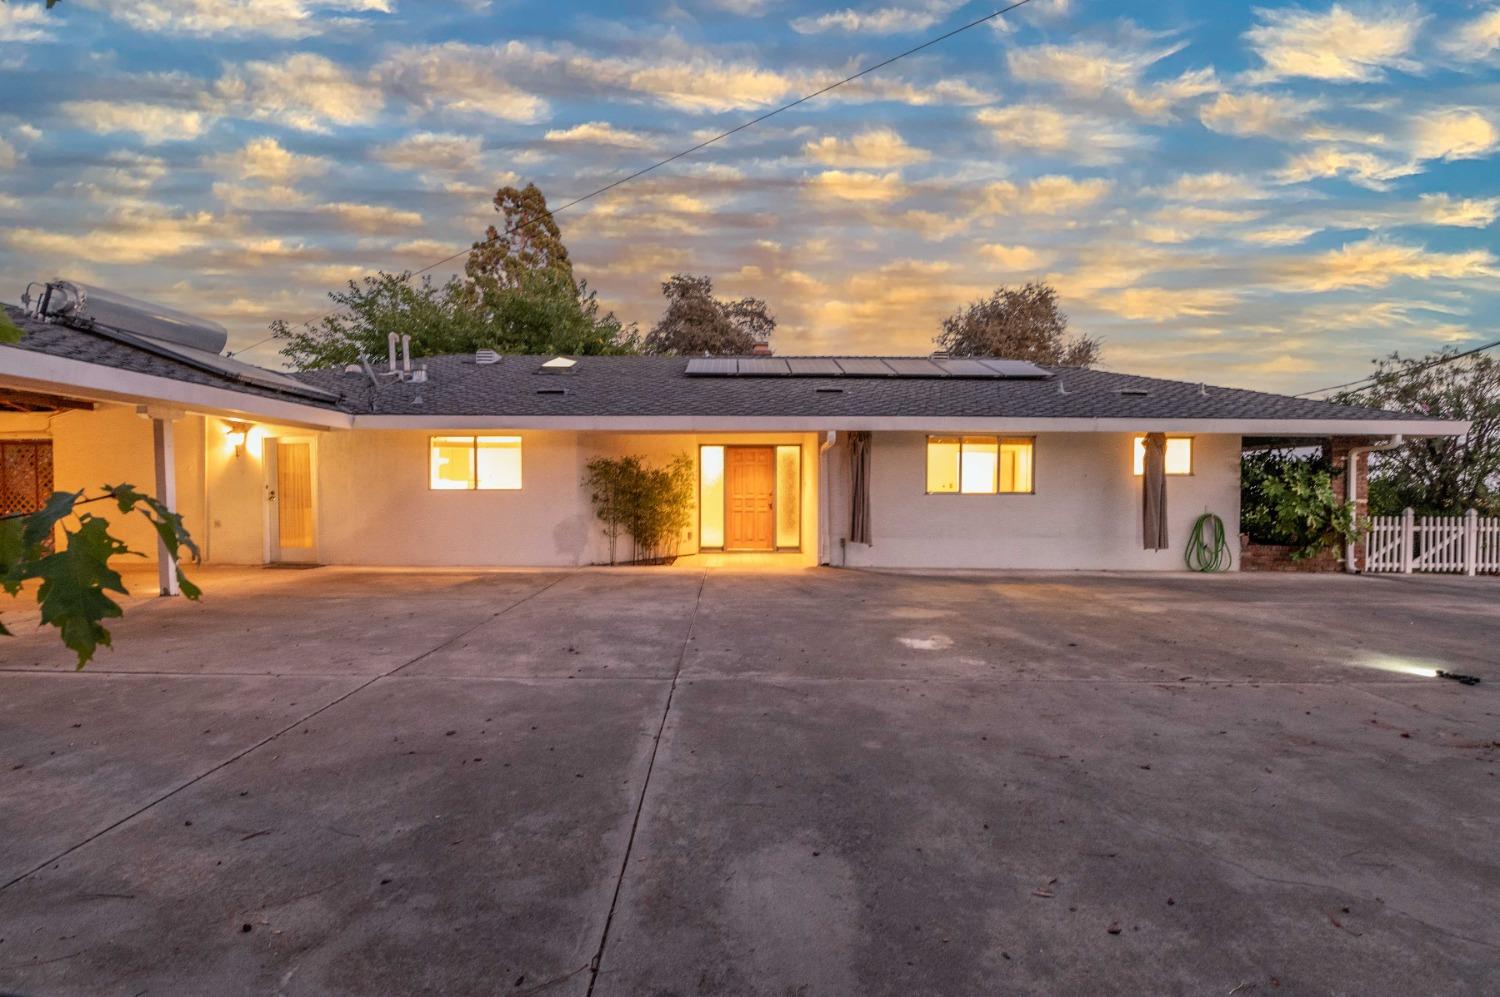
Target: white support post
(1471,542)
(1408,525)
(166,493)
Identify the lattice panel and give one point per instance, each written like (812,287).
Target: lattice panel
(25,475)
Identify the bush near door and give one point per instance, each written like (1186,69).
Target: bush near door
(651,505)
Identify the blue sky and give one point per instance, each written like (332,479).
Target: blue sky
(1255,195)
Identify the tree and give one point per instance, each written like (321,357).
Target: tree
(543,312)
(1017,324)
(1289,499)
(76,580)
(696,322)
(529,241)
(1438,475)
(651,504)
(519,296)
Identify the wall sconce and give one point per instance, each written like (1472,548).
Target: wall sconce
(235,433)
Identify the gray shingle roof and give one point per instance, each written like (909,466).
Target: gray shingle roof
(658,386)
(89,347)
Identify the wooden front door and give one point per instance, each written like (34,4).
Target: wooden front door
(25,475)
(750,498)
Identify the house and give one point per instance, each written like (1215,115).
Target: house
(894,462)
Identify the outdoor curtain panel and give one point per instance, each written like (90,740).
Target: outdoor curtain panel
(1154,493)
(859,488)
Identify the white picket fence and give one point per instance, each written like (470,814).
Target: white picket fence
(1467,544)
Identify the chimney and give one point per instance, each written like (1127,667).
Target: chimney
(762,348)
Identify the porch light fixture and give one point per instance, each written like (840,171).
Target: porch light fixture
(236,433)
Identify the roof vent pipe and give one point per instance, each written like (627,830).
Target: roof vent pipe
(1062,388)
(390,350)
(406,354)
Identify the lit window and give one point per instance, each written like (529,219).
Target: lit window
(1179,455)
(476,462)
(711,496)
(979,465)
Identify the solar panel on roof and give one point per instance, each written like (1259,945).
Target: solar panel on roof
(763,367)
(713,366)
(1014,368)
(965,368)
(915,367)
(864,367)
(813,366)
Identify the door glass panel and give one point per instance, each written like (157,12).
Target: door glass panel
(711,496)
(294,525)
(788,496)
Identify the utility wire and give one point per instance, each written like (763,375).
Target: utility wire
(1419,367)
(752,122)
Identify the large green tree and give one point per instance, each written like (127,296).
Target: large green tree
(1438,475)
(696,322)
(1017,323)
(518,295)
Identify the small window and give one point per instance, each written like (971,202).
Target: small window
(489,463)
(1179,455)
(979,465)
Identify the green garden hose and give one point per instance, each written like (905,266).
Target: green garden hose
(1210,554)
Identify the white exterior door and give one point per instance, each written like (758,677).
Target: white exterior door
(290,501)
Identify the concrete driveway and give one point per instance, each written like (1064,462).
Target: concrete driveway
(669,783)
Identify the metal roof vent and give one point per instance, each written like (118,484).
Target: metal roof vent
(486,357)
(1136,392)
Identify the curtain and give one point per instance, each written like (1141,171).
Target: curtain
(859,488)
(1154,493)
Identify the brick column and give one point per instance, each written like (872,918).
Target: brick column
(1337,450)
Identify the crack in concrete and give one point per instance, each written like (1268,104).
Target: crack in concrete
(267,740)
(598,960)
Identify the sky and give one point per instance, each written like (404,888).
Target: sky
(1257,195)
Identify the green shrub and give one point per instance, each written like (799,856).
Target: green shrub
(1289,499)
(651,505)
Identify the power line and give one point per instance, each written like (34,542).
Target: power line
(752,122)
(1419,367)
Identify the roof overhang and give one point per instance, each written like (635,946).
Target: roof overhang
(926,424)
(42,372)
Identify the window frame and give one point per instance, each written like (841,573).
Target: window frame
(1139,439)
(1000,442)
(473,443)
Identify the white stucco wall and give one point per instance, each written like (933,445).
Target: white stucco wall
(1085,512)
(111,445)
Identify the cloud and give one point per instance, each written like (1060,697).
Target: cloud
(123,172)
(873,148)
(878,21)
(371,218)
(1376,262)
(24,22)
(432,153)
(1216,187)
(1086,139)
(600,133)
(1465,212)
(1252,113)
(471,79)
(305,91)
(134,234)
(857,185)
(264,159)
(1093,71)
(1475,40)
(1017,258)
(154,123)
(1454,133)
(1363,168)
(1339,45)
(1160,304)
(8,155)
(1280,235)
(1047,195)
(236,18)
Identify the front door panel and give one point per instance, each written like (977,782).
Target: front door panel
(289,463)
(750,498)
